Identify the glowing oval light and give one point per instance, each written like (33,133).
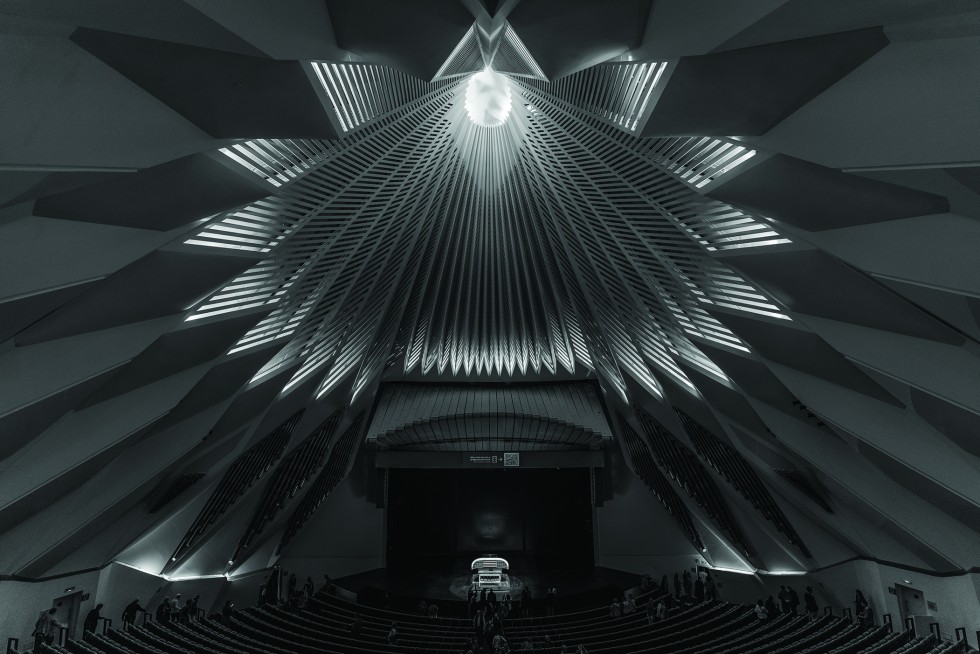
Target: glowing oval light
(488,98)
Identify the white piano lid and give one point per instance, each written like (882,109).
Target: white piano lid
(493,561)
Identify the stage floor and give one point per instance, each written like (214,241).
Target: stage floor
(450,580)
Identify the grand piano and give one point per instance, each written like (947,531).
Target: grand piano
(491,572)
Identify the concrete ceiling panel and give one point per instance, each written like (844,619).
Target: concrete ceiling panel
(227,95)
(565,36)
(415,37)
(815,198)
(162,283)
(748,91)
(162,197)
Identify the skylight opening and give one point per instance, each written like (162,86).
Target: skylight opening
(488,98)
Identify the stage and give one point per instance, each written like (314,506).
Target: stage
(446,581)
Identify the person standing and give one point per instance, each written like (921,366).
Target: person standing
(309,587)
(46,628)
(810,603)
(479,625)
(783,598)
(92,619)
(698,590)
(771,608)
(526,602)
(710,589)
(688,584)
(794,600)
(677,586)
(227,612)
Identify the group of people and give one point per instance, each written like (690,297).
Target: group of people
(789,604)
(292,596)
(622,606)
(699,588)
(173,609)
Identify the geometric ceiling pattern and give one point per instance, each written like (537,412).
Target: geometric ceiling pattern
(297,218)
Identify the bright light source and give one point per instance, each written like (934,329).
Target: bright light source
(488,98)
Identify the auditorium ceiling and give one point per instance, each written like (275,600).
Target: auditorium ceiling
(735,243)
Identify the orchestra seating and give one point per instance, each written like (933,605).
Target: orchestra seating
(325,627)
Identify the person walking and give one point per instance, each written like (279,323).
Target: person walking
(46,628)
(129,613)
(162,612)
(794,600)
(810,603)
(783,597)
(92,619)
(771,608)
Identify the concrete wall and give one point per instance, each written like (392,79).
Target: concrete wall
(344,537)
(957,598)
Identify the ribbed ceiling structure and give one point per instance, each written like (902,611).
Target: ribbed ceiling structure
(239,242)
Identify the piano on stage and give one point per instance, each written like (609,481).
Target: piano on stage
(491,572)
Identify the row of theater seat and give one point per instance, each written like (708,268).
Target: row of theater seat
(324,627)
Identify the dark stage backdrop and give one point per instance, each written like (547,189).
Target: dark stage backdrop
(543,516)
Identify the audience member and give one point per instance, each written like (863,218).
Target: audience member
(677,586)
(526,602)
(783,597)
(92,619)
(771,608)
(711,589)
(227,612)
(615,609)
(760,610)
(479,624)
(698,590)
(186,611)
(433,611)
(46,628)
(629,605)
(163,611)
(810,603)
(794,600)
(688,584)
(355,626)
(392,636)
(308,587)
(129,613)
